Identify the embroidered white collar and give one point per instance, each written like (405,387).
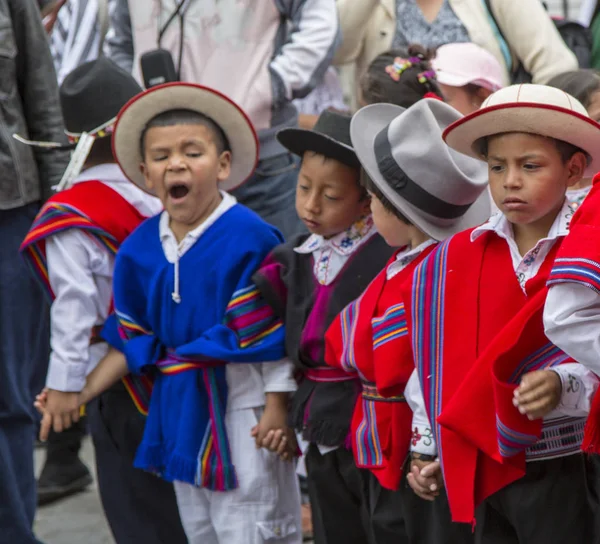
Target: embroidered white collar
(344,243)
(404,258)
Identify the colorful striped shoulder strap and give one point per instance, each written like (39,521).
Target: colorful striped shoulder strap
(90,206)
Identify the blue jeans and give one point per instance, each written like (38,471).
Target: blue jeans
(271,193)
(24,346)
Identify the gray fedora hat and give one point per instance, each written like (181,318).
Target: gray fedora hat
(438,189)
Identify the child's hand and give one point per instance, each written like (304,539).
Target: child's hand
(274,417)
(282,442)
(538,394)
(40,401)
(60,412)
(425,478)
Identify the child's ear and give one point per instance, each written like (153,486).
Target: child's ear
(576,166)
(144,171)
(366,204)
(224,166)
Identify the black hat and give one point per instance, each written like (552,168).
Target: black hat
(92,95)
(329,137)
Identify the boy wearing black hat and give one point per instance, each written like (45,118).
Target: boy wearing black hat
(308,281)
(71,247)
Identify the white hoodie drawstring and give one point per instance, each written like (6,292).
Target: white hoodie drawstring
(175,294)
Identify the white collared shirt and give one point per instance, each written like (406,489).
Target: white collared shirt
(175,250)
(527,266)
(247,383)
(578,383)
(331,254)
(80,272)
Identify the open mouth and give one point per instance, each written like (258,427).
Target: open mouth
(178,191)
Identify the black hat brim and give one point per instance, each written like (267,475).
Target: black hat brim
(299,141)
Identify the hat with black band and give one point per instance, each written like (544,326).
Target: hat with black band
(438,189)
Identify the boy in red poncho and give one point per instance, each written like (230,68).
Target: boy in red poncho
(508,408)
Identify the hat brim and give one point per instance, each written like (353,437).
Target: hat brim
(454,80)
(299,141)
(539,119)
(141,109)
(365,126)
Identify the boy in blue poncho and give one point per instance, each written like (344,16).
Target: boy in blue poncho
(185,306)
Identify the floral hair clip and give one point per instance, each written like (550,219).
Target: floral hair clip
(400,66)
(426,76)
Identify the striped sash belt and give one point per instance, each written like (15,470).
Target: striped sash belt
(329,374)
(369,392)
(215,470)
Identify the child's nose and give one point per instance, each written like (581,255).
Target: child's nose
(175,163)
(512,179)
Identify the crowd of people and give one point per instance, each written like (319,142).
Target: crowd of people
(302,269)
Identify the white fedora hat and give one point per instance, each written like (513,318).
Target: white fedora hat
(141,109)
(533,109)
(439,190)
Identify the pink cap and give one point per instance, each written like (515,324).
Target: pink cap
(458,64)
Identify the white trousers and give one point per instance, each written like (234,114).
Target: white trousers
(264,508)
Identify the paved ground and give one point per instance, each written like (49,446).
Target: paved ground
(76,520)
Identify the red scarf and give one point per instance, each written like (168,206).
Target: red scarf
(474,333)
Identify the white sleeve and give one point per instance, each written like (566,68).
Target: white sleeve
(74,312)
(572,322)
(313,38)
(422,434)
(278,376)
(579,386)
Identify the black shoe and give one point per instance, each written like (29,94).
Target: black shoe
(62,480)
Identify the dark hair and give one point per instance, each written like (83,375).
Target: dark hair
(581,84)
(370,186)
(101,152)
(186,117)
(376,85)
(565,149)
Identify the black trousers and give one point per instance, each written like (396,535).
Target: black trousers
(139,506)
(401,517)
(549,505)
(338,498)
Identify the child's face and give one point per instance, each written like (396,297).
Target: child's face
(183,167)
(462,99)
(528,177)
(395,232)
(328,197)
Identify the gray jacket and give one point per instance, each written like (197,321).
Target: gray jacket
(29,106)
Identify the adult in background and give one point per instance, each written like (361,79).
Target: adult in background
(370,27)
(260,54)
(77,29)
(78,34)
(28,106)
